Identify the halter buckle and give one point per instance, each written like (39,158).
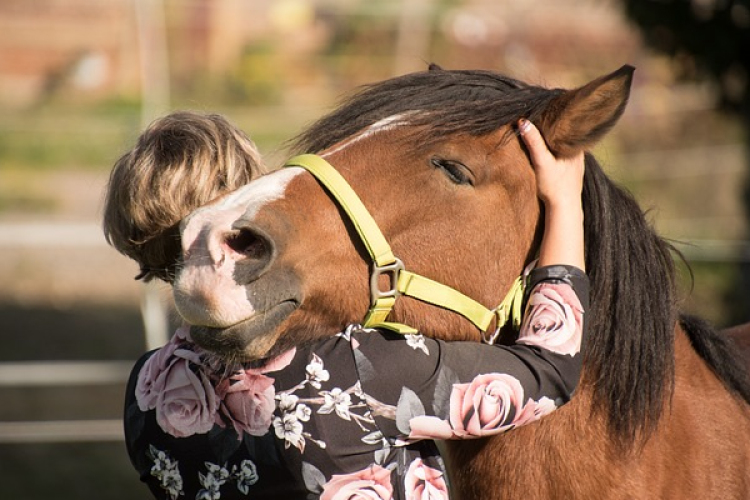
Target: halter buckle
(392,271)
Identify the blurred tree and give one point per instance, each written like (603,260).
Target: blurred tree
(708,39)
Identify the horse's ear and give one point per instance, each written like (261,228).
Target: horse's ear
(577,119)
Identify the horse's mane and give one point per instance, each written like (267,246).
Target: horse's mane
(630,352)
(474,102)
(633,311)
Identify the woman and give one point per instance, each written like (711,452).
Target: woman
(353,415)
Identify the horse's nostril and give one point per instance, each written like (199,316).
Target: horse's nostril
(247,243)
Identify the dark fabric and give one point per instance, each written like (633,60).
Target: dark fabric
(355,412)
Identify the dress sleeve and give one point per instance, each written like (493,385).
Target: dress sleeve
(134,423)
(421,388)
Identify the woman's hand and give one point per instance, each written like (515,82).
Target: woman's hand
(558,180)
(559,186)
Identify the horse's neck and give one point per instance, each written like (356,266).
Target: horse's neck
(568,454)
(551,458)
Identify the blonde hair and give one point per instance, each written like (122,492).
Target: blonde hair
(179,163)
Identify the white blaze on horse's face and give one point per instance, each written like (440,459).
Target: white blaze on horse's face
(205,290)
(387,123)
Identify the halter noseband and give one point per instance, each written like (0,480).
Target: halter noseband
(403,282)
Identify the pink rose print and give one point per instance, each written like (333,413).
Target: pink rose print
(373,483)
(247,398)
(176,382)
(554,320)
(150,384)
(278,363)
(187,403)
(424,483)
(482,408)
(426,427)
(485,403)
(182,335)
(247,403)
(534,410)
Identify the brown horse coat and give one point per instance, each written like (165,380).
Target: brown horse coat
(662,409)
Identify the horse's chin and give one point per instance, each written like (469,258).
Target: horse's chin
(251,340)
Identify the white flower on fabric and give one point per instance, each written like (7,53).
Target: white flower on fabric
(171,481)
(346,334)
(316,373)
(219,472)
(166,471)
(212,481)
(357,390)
(337,400)
(161,460)
(221,475)
(416,341)
(303,412)
(290,430)
(287,402)
(353,328)
(246,476)
(207,495)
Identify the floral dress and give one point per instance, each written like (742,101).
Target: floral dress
(352,416)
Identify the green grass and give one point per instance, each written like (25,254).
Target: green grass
(61,136)
(58,136)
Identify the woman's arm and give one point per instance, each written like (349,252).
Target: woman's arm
(559,186)
(460,390)
(421,388)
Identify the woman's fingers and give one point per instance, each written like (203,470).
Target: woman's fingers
(535,142)
(557,179)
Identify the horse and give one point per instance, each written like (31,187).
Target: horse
(663,405)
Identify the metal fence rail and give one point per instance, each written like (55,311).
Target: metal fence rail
(62,373)
(65,373)
(71,373)
(61,431)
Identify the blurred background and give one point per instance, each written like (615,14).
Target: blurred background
(79,79)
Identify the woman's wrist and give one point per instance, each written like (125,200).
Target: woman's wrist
(562,242)
(563,202)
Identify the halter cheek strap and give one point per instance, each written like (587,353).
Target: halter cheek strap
(403,282)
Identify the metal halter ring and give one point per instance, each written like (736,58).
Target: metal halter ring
(392,270)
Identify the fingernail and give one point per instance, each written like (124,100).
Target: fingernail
(524,125)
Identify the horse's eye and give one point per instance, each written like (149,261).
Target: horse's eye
(456,172)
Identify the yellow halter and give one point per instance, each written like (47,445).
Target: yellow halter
(403,282)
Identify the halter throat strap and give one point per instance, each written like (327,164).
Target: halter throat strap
(403,282)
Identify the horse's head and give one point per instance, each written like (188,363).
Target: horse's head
(435,158)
